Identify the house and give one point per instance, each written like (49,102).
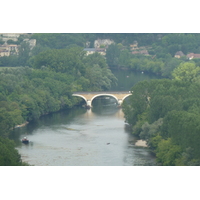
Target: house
(10,36)
(32,42)
(179,54)
(101,51)
(134,46)
(7,50)
(190,56)
(13,49)
(103,42)
(4,52)
(89,51)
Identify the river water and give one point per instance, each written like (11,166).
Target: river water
(80,137)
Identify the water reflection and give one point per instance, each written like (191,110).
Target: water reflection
(128,78)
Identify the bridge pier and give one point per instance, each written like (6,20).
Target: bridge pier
(120,102)
(89,103)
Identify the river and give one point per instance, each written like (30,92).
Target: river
(80,137)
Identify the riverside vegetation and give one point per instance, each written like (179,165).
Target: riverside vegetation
(163,112)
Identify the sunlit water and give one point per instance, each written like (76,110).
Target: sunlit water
(85,138)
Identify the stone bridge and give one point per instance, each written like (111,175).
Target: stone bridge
(89,96)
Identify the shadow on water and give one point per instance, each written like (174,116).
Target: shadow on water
(104,105)
(57,118)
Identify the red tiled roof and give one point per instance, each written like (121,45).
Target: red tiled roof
(196,55)
(193,55)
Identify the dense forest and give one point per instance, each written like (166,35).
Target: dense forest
(163,112)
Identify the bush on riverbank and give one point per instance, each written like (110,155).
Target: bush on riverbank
(9,156)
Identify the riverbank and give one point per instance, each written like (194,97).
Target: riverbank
(21,125)
(141,143)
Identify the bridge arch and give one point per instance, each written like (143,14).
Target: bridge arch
(126,97)
(90,96)
(78,95)
(98,95)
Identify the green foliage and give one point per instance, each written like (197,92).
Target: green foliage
(89,72)
(154,141)
(177,102)
(60,60)
(97,72)
(137,128)
(24,53)
(10,115)
(150,130)
(11,61)
(27,93)
(140,101)
(12,42)
(181,42)
(38,49)
(124,58)
(60,67)
(59,40)
(186,158)
(170,65)
(9,156)
(183,128)
(167,152)
(161,105)
(112,55)
(186,72)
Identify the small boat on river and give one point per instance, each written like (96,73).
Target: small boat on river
(25,140)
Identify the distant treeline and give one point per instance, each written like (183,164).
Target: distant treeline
(161,48)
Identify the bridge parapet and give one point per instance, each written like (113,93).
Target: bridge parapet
(104,92)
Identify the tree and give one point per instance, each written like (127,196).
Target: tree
(169,66)
(186,72)
(97,72)
(167,152)
(112,55)
(9,156)
(160,105)
(124,58)
(12,42)
(59,40)
(24,53)
(37,49)
(150,130)
(61,60)
(183,129)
